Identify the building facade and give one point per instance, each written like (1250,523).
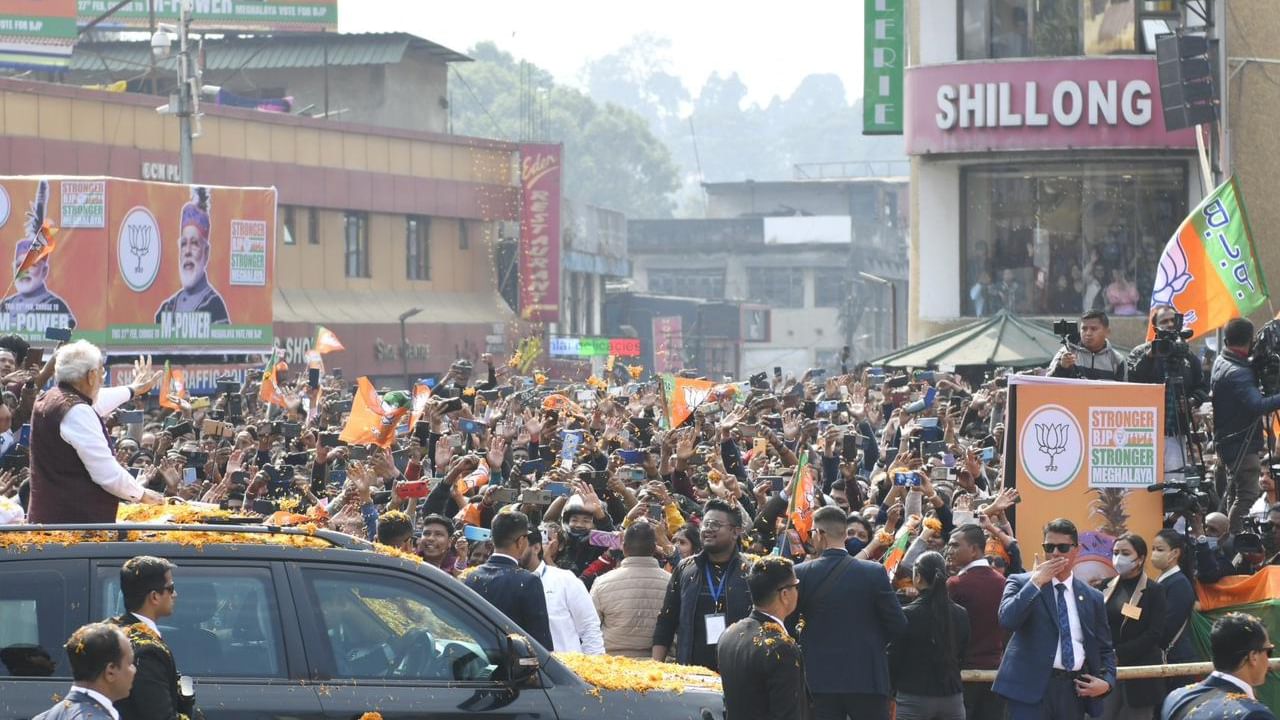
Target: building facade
(827,258)
(372,221)
(1043,179)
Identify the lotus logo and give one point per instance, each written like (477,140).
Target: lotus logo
(1051,447)
(1052,440)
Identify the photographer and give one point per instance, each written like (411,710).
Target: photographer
(1238,407)
(1168,360)
(1092,358)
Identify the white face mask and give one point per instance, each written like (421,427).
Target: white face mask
(1123,563)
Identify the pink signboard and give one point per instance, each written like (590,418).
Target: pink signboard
(1058,104)
(540,232)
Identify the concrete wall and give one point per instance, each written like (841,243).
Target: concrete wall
(1253,30)
(405,96)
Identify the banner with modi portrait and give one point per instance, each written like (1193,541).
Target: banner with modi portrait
(138,265)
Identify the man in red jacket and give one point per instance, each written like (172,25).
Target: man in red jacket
(977,587)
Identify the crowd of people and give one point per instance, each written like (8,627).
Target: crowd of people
(866,513)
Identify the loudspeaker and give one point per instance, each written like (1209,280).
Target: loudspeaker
(1187,68)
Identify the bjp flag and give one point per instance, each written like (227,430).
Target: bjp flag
(173,388)
(326,341)
(421,394)
(800,504)
(683,396)
(270,392)
(1209,271)
(374,418)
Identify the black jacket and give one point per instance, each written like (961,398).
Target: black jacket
(1146,367)
(1180,600)
(761,671)
(1238,406)
(155,694)
(516,592)
(916,664)
(678,618)
(1137,641)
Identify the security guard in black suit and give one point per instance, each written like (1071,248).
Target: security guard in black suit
(761,668)
(515,591)
(1241,651)
(149,594)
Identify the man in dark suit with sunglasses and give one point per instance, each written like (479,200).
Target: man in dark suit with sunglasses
(1241,654)
(1051,614)
(149,594)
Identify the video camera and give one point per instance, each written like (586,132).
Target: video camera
(1184,497)
(1068,331)
(1167,341)
(1265,357)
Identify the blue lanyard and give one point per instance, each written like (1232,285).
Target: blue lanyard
(716,592)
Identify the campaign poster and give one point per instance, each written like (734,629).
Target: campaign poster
(190,266)
(232,15)
(139,266)
(1087,451)
(37,34)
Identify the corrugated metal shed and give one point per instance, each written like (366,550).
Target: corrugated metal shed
(266,53)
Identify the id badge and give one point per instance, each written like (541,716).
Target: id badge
(715,628)
(1133,612)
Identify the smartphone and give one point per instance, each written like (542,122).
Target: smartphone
(133,417)
(504,495)
(176,429)
(359,452)
(228,387)
(472,427)
(907,479)
(451,405)
(897,381)
(774,422)
(401,460)
(633,474)
(196,458)
(828,406)
(290,430)
(235,407)
(413,488)
(775,482)
(938,473)
(656,511)
(632,457)
(329,439)
(759,445)
(537,497)
(313,378)
(214,428)
(849,448)
(57,333)
(815,373)
(927,422)
(934,448)
(188,476)
(422,431)
(24,436)
(34,358)
(531,467)
(600,538)
(298,458)
(559,489)
(475,534)
(642,422)
(777,371)
(988,454)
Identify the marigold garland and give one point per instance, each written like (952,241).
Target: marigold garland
(933,524)
(611,672)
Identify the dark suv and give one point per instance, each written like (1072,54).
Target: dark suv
(286,623)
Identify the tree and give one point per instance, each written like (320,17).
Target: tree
(612,158)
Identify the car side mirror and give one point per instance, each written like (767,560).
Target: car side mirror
(522,660)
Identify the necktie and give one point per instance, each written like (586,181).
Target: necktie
(1064,629)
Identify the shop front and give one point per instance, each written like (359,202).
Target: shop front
(1044,187)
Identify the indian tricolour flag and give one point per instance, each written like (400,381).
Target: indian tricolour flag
(1209,271)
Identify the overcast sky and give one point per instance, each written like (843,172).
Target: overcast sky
(771,46)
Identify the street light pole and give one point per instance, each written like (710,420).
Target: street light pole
(893,303)
(186,158)
(404,345)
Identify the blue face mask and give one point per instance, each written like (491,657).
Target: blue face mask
(854,545)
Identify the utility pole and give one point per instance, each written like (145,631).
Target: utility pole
(185,101)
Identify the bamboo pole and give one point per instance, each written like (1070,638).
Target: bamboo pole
(1136,672)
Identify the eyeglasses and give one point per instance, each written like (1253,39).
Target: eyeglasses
(1063,548)
(169,589)
(1268,649)
(790,586)
(715,526)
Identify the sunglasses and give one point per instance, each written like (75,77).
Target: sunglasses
(1268,649)
(168,589)
(1063,548)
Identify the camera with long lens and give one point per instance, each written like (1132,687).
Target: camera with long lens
(1167,342)
(1068,331)
(1186,496)
(1265,358)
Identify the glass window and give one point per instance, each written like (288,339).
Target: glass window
(313,226)
(1049,28)
(707,284)
(225,622)
(831,287)
(357,235)
(1063,238)
(290,226)
(34,624)
(379,626)
(778,287)
(417,240)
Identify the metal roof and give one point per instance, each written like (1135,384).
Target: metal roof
(1002,340)
(266,53)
